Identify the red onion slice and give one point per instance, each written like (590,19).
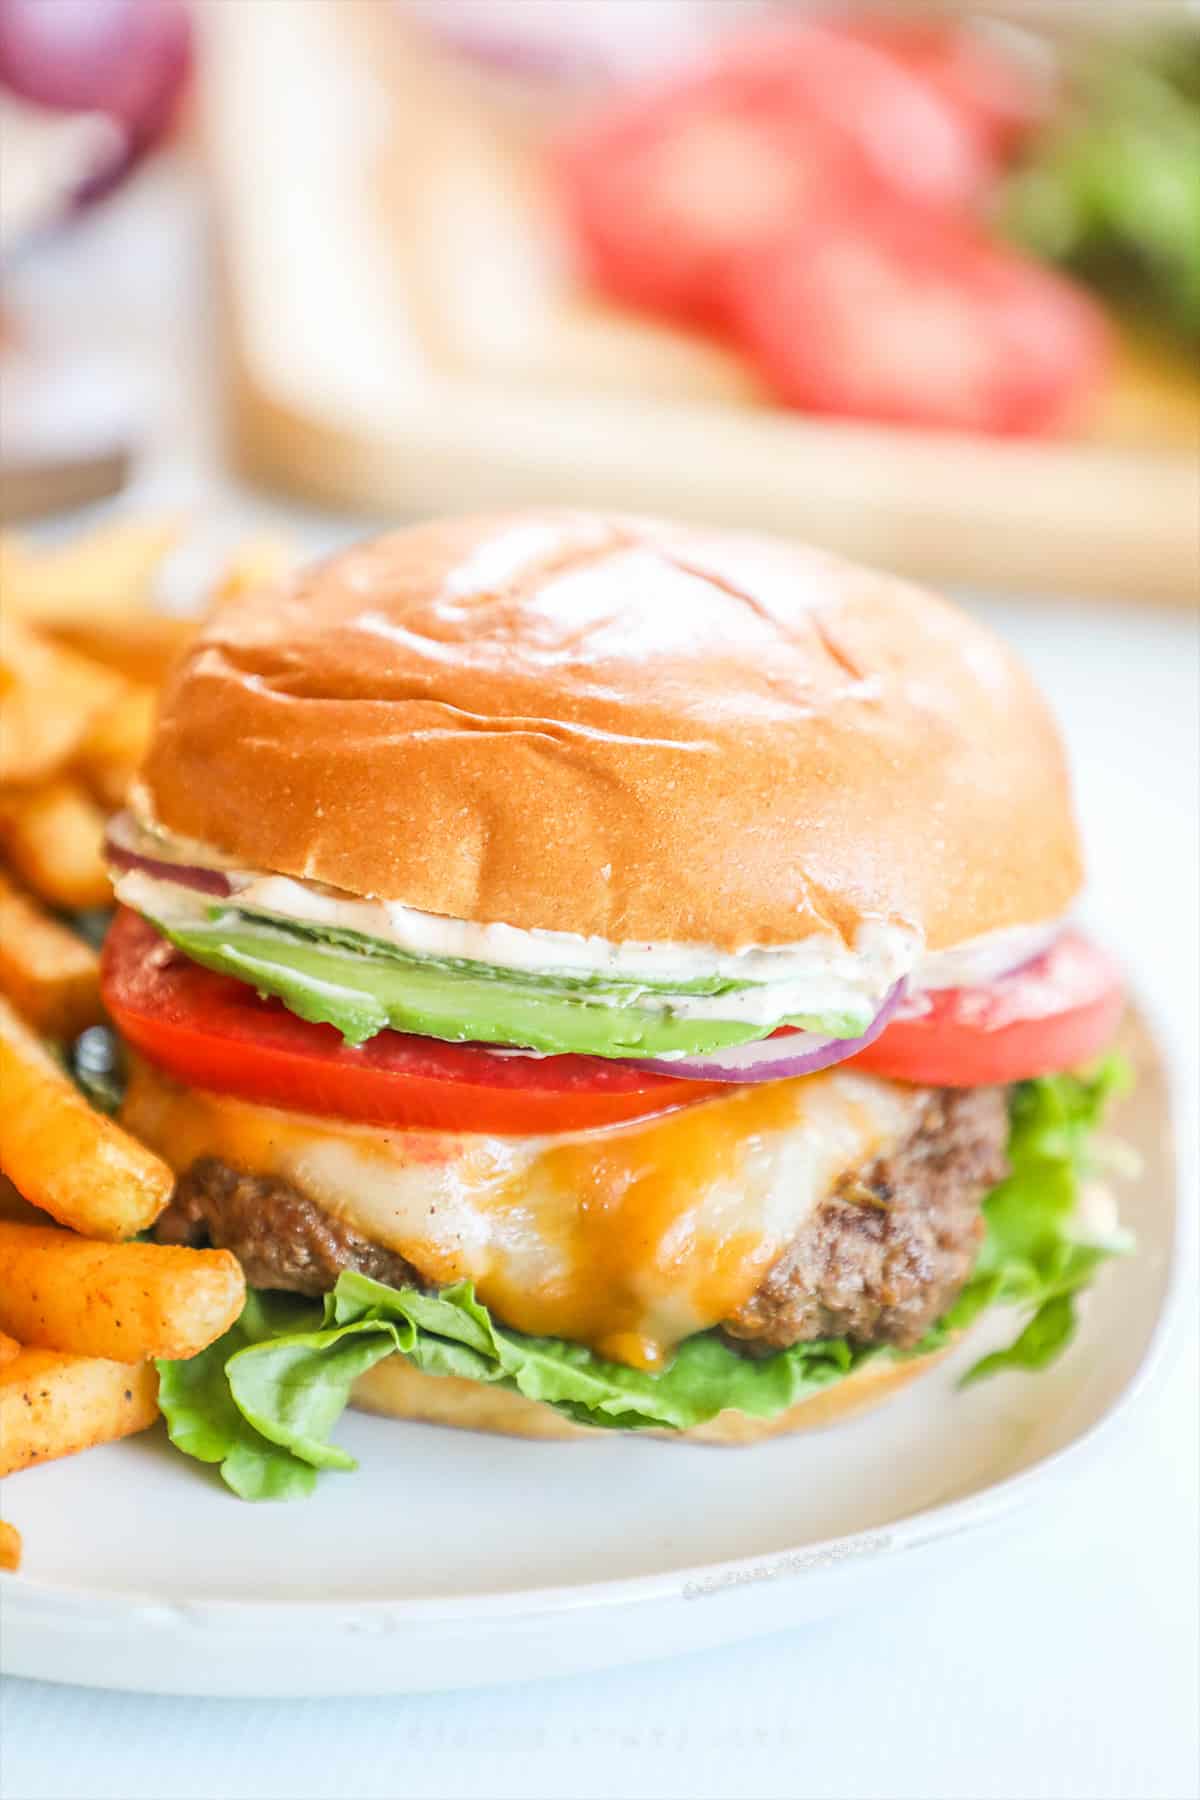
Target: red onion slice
(786,1053)
(774,1058)
(989,958)
(125,847)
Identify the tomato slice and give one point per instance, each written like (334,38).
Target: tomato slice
(918,144)
(999,95)
(212,1032)
(665,192)
(1057,1012)
(668,189)
(919,319)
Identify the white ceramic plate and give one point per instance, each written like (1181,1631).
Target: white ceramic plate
(453,1559)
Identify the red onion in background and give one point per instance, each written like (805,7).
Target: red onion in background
(127,58)
(574,42)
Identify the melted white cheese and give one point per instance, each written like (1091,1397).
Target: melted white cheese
(627,1239)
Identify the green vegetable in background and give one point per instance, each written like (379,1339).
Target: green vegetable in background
(1112,188)
(262,1401)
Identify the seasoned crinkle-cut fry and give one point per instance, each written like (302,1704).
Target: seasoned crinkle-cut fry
(116,742)
(9,1348)
(74,1163)
(54,836)
(52,1405)
(126,1302)
(49,699)
(10,1547)
(111,570)
(50,975)
(141,646)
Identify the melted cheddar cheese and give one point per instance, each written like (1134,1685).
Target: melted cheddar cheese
(626,1239)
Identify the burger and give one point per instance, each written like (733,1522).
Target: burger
(596,973)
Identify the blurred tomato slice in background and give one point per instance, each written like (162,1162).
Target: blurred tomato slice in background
(670,186)
(1001,87)
(918,145)
(919,320)
(667,190)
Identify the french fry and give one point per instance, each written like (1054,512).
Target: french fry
(74,1163)
(14,1206)
(50,697)
(126,1302)
(106,571)
(141,646)
(10,1547)
(53,837)
(52,1405)
(254,563)
(142,643)
(9,1349)
(116,741)
(50,975)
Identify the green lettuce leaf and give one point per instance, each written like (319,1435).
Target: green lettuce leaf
(263,1400)
(1041,1249)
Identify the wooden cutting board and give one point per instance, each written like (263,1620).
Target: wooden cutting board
(403,337)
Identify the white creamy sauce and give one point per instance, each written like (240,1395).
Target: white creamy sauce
(982,959)
(817,975)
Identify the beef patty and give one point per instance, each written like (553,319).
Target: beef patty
(883,1257)
(877,1262)
(281,1238)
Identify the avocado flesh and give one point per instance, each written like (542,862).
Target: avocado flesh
(361,994)
(600,982)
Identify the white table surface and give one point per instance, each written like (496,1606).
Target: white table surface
(1063,1663)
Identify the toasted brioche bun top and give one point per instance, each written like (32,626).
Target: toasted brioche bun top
(621,728)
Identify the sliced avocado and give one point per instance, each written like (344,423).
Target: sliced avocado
(610,990)
(592,983)
(361,994)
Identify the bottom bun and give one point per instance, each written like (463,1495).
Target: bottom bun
(394,1387)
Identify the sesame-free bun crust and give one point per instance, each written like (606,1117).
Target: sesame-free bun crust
(624,729)
(395,1388)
